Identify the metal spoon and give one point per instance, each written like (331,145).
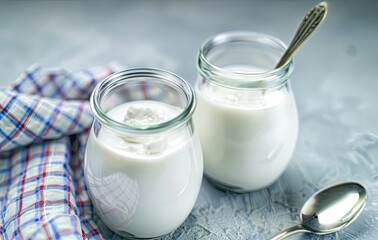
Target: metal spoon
(329,210)
(309,23)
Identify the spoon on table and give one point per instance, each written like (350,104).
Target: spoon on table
(309,23)
(329,210)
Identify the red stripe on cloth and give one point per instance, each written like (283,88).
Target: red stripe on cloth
(65,231)
(41,187)
(83,203)
(22,183)
(62,186)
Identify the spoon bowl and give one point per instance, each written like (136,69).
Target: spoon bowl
(333,208)
(329,210)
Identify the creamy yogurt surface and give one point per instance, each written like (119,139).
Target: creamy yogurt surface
(142,113)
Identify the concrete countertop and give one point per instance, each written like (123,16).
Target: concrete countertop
(335,84)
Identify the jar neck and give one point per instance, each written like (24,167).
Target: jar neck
(248,98)
(137,137)
(231,60)
(142,84)
(145,144)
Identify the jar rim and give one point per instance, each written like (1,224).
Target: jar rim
(118,78)
(222,76)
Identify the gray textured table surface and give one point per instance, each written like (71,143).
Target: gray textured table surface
(335,84)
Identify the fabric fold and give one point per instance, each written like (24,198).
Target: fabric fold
(44,125)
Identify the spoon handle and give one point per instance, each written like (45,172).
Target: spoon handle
(290,231)
(309,23)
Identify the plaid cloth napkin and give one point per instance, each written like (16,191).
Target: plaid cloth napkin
(44,124)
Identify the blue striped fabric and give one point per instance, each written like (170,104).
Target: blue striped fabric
(44,125)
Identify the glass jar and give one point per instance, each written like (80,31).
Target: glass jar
(246,115)
(143,179)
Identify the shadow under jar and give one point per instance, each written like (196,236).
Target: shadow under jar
(246,115)
(143,162)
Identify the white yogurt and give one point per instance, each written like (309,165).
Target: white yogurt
(246,115)
(143,185)
(247,136)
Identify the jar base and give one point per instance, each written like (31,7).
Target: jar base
(129,236)
(231,188)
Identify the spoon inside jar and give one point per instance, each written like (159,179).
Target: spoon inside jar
(329,210)
(309,23)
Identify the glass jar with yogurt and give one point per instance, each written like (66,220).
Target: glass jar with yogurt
(143,163)
(246,115)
